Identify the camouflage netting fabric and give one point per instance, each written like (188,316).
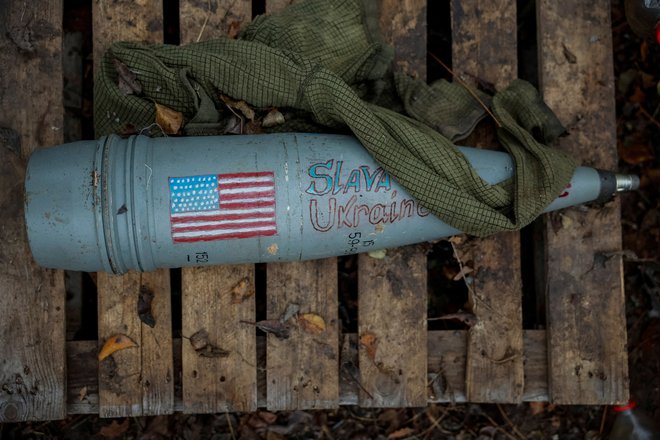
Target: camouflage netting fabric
(325,59)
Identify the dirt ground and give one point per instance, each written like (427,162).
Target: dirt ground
(637,70)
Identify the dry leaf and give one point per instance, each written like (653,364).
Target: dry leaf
(537,408)
(273,118)
(464,271)
(637,153)
(370,342)
(144,306)
(379,254)
(241,291)
(457,239)
(82,394)
(274,326)
(290,311)
(241,106)
(200,342)
(169,120)
(400,433)
(312,323)
(126,80)
(116,343)
(114,429)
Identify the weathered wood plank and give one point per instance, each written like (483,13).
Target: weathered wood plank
(151,391)
(392,306)
(403,24)
(303,370)
(203,389)
(219,357)
(446,367)
(585,302)
(203,20)
(136,381)
(484,49)
(392,352)
(125,20)
(32,299)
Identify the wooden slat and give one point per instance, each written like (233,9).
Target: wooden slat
(403,24)
(215,301)
(125,20)
(484,48)
(585,302)
(392,296)
(208,302)
(203,20)
(302,371)
(134,381)
(392,327)
(446,367)
(32,300)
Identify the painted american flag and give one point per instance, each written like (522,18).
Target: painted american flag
(222,206)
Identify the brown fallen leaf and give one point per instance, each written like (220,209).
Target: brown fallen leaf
(169,120)
(115,429)
(114,344)
(126,80)
(370,342)
(400,433)
(537,408)
(274,326)
(273,118)
(637,153)
(241,291)
(465,270)
(144,306)
(241,106)
(200,342)
(312,323)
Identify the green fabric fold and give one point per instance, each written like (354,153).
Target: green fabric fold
(316,58)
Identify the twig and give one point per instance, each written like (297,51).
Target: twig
(231,428)
(509,422)
(649,116)
(467,87)
(498,427)
(460,267)
(206,20)
(435,423)
(602,422)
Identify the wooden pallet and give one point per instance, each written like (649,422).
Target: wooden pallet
(393,361)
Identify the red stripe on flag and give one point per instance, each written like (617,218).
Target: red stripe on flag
(250,195)
(245,175)
(243,225)
(211,218)
(225,236)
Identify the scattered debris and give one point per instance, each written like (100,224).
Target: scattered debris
(274,326)
(200,342)
(144,306)
(115,429)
